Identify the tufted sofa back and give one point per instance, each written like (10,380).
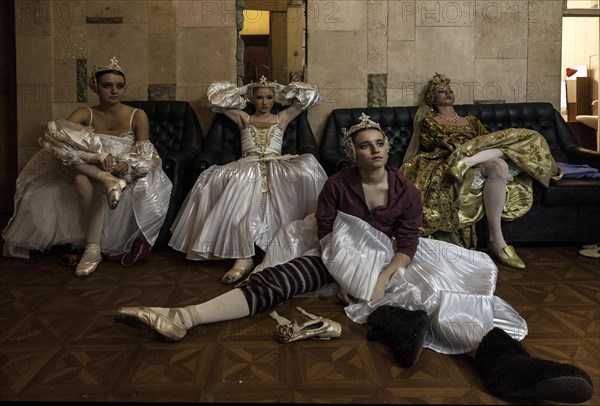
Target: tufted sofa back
(173,125)
(177,136)
(397,123)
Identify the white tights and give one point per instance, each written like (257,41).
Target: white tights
(494,190)
(91,199)
(228,306)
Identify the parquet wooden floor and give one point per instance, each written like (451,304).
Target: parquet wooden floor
(59,342)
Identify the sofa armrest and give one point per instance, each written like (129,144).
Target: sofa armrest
(580,155)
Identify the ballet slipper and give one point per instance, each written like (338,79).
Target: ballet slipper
(114,186)
(241,268)
(89,261)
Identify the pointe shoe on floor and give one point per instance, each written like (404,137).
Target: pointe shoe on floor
(164,328)
(589,246)
(318,328)
(593,252)
(512,259)
(457,172)
(140,251)
(89,261)
(114,187)
(241,268)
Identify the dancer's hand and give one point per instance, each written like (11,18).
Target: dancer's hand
(109,163)
(120,169)
(380,287)
(345,297)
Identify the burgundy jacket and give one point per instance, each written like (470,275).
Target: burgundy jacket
(400,219)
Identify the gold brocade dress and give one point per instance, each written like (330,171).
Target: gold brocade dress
(450,210)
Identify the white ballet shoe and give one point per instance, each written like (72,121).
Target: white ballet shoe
(89,261)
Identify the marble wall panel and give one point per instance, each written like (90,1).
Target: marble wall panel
(343,98)
(162,58)
(205,13)
(446,50)
(33,18)
(443,13)
(499,81)
(377,36)
(335,15)
(205,55)
(401,64)
(401,20)
(504,37)
(545,20)
(63,86)
(338,66)
(161,17)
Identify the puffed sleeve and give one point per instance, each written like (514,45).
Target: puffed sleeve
(72,144)
(224,95)
(142,158)
(302,95)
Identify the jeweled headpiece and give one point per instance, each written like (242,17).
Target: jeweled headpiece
(113,67)
(365,122)
(435,82)
(263,82)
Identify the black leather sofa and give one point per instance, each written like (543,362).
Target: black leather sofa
(567,211)
(223,142)
(177,136)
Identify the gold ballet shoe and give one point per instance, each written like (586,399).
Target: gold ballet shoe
(457,172)
(114,186)
(513,259)
(240,269)
(89,261)
(318,328)
(163,327)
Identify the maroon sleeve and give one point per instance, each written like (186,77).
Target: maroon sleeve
(327,208)
(408,227)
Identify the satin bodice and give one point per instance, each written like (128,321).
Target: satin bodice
(262,140)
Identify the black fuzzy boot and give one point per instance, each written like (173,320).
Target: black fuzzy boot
(402,330)
(509,371)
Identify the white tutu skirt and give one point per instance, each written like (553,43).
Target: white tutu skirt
(226,213)
(455,286)
(47,210)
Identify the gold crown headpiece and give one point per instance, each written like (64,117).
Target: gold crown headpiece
(435,82)
(365,122)
(113,67)
(263,82)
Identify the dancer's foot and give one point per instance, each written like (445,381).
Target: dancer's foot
(241,268)
(152,319)
(113,186)
(89,261)
(140,251)
(506,256)
(509,371)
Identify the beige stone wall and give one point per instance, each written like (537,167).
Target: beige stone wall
(493,50)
